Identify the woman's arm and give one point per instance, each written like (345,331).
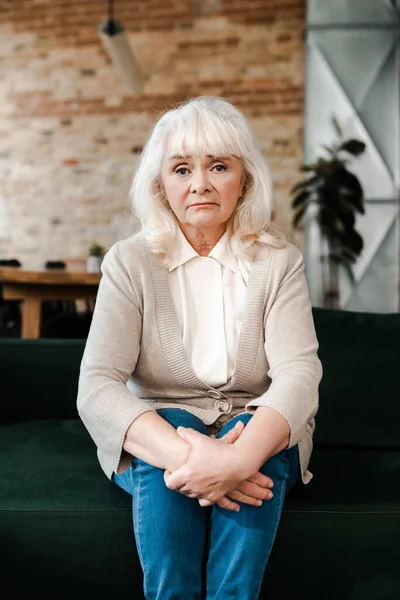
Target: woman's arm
(105,405)
(152,439)
(266,434)
(291,348)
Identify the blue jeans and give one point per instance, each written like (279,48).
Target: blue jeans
(188,552)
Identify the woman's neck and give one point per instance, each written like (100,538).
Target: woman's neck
(202,240)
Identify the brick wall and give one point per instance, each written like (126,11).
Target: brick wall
(70,133)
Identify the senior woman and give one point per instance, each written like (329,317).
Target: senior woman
(200,375)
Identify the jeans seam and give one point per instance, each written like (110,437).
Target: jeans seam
(276,523)
(139,523)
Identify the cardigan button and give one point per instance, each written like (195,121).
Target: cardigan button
(223,406)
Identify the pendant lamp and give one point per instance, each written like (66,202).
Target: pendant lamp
(116,44)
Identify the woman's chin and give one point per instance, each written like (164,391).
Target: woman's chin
(204,222)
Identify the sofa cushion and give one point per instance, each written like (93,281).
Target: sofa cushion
(63,525)
(68,527)
(58,470)
(360,387)
(350,481)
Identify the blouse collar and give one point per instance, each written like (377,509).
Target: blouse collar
(183,251)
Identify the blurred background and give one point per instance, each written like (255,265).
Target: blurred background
(82,81)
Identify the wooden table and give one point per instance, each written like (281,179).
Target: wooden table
(33,287)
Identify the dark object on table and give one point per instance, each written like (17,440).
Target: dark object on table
(55,264)
(9,262)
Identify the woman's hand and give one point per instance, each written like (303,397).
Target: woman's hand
(254,489)
(213,471)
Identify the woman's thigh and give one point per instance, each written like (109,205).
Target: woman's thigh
(240,543)
(169,528)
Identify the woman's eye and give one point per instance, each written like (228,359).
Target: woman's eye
(219,168)
(181,171)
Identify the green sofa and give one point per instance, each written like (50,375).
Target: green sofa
(66,531)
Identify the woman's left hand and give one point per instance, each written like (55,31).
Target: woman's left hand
(212,470)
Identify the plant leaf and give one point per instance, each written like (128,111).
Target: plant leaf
(346,216)
(299,216)
(301,198)
(329,150)
(306,183)
(352,241)
(326,219)
(353,146)
(340,235)
(350,186)
(350,272)
(341,258)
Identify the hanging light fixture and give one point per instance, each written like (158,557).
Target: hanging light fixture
(115,42)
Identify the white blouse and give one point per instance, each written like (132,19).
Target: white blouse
(209,294)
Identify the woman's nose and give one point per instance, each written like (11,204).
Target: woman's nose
(200,182)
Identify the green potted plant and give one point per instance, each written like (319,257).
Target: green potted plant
(338,196)
(95,257)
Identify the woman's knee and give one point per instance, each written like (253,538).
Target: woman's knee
(244,417)
(179,417)
(278,468)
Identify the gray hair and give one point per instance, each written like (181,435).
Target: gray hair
(206,125)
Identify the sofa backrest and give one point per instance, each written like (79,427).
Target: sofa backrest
(359,392)
(39,378)
(360,387)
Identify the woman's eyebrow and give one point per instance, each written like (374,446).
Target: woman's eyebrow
(218,157)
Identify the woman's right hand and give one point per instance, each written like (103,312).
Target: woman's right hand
(252,491)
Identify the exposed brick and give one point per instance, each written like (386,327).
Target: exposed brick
(71,134)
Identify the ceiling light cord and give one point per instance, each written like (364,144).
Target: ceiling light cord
(116,43)
(111,25)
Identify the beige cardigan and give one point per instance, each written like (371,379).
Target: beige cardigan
(134,359)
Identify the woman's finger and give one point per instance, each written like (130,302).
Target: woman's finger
(241,497)
(261,480)
(224,502)
(205,502)
(254,491)
(177,479)
(233,434)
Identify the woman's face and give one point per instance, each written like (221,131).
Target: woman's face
(202,191)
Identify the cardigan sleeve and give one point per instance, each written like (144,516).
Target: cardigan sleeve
(105,404)
(291,348)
